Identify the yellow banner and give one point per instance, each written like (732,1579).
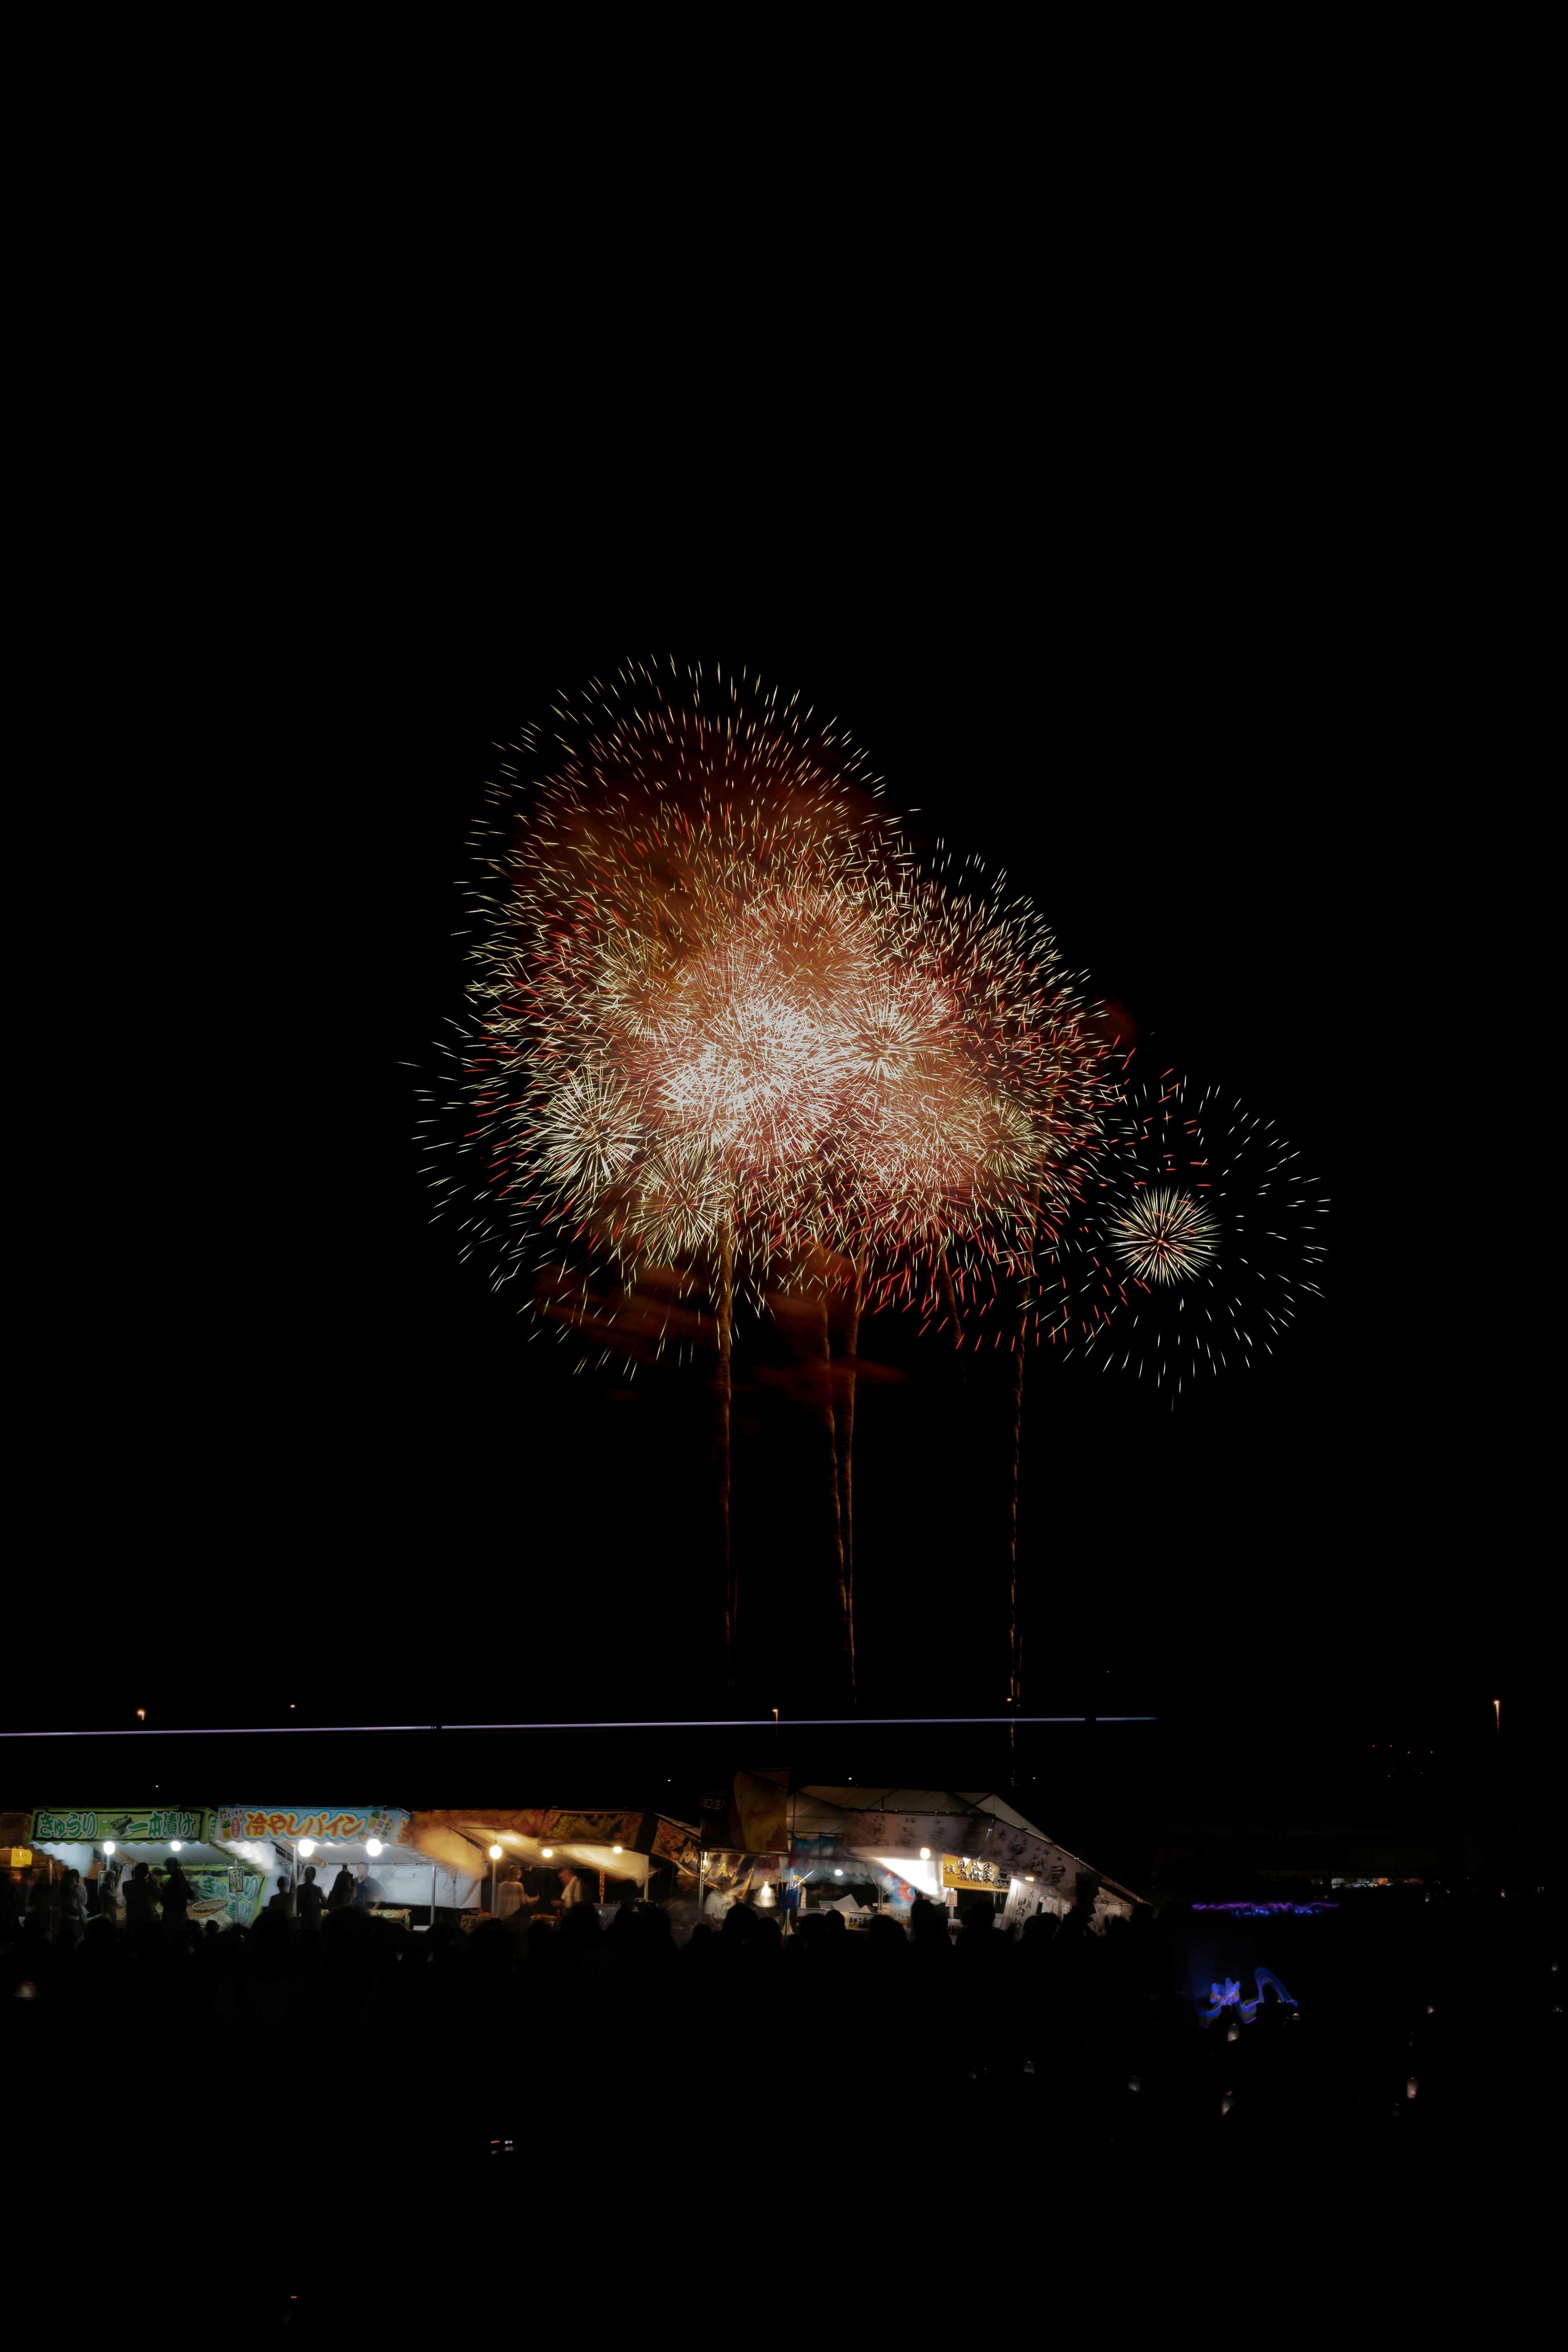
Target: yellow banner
(972,1877)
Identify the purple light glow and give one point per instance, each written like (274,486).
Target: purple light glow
(1268,1910)
(691,1723)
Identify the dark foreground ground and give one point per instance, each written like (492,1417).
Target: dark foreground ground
(366,2131)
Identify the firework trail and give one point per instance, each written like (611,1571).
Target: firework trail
(978,1103)
(972,1091)
(1191,1254)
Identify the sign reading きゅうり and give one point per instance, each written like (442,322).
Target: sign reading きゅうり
(127,1824)
(980,1877)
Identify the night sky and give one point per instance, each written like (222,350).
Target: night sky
(375,1489)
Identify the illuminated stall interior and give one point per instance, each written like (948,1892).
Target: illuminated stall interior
(612,1852)
(105,1844)
(281,1842)
(864,1850)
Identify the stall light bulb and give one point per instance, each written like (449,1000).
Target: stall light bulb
(548,1852)
(307,1845)
(372,1846)
(176,1845)
(838,1874)
(925,1853)
(495,1853)
(1028,1879)
(109,1845)
(616,1849)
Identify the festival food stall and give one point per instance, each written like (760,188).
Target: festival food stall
(372,1842)
(637,1849)
(105,1842)
(236,1857)
(864,1850)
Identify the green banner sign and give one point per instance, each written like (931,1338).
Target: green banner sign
(126,1824)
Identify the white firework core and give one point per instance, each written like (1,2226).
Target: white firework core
(1164,1236)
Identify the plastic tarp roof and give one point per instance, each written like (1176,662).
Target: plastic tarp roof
(890,1824)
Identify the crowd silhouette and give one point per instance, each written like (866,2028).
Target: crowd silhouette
(593,2071)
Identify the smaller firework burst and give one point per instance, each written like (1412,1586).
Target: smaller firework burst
(1200,1237)
(1165,1235)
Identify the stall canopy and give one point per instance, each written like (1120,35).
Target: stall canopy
(222,1889)
(234,1854)
(970,1837)
(622,1844)
(273,1836)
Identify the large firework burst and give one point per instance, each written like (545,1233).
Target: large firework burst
(1200,1237)
(670,947)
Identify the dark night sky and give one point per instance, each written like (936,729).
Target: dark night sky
(578,1510)
(358,1461)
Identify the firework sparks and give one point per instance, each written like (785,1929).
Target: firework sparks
(1165,1235)
(671,950)
(717,1021)
(1201,1238)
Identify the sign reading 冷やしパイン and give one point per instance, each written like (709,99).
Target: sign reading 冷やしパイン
(980,1877)
(237,1823)
(128,1825)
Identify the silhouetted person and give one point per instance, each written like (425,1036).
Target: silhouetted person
(367,1890)
(343,1892)
(571,1890)
(283,1902)
(139,1893)
(73,1910)
(311,1900)
(177,1896)
(928,1924)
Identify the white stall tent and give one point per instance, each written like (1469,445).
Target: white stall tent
(904,1833)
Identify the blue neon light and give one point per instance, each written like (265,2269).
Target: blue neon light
(1229,1996)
